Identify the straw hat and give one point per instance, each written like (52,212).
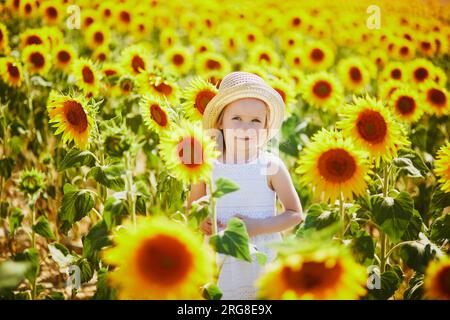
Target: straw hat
(238,85)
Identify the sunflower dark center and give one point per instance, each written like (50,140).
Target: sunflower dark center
(426,45)
(34,39)
(98,37)
(371,126)
(264,56)
(337,165)
(406,105)
(125,16)
(138,64)
(88,75)
(437,97)
(404,51)
(444,281)
(163,88)
(202,99)
(317,55)
(322,89)
(75,115)
(64,56)
(281,93)
(13,71)
(28,8)
(158,115)
(190,152)
(178,59)
(52,12)
(296,21)
(164,259)
(396,74)
(213,64)
(37,59)
(421,74)
(312,276)
(355,74)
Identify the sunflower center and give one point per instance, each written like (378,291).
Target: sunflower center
(336,165)
(178,59)
(406,105)
(421,73)
(213,64)
(34,40)
(98,37)
(355,74)
(281,93)
(164,259)
(404,51)
(296,21)
(125,16)
(426,45)
(322,89)
(28,8)
(137,64)
(396,74)
(75,115)
(163,89)
(88,75)
(52,12)
(264,56)
(313,276)
(317,55)
(1,35)
(202,99)
(371,126)
(37,59)
(158,115)
(437,97)
(13,71)
(190,152)
(444,280)
(63,56)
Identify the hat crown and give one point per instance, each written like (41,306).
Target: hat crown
(239,78)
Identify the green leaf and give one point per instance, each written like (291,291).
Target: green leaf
(115,209)
(6,167)
(15,220)
(439,201)
(77,158)
(104,291)
(440,228)
(95,240)
(32,256)
(75,205)
(418,254)
(212,292)
(405,164)
(414,228)
(233,240)
(43,228)
(393,213)
(4,206)
(363,247)
(318,216)
(415,288)
(417,161)
(109,176)
(223,187)
(12,273)
(197,214)
(390,282)
(86,270)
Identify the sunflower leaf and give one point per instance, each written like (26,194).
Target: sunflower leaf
(75,205)
(224,186)
(233,240)
(212,292)
(43,228)
(109,176)
(95,240)
(77,158)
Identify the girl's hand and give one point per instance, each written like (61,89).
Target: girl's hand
(251,224)
(206,226)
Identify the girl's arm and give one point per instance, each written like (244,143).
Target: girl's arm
(283,186)
(198,190)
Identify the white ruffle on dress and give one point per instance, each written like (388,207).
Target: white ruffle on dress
(253,199)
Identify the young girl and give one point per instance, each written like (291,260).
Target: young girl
(247,113)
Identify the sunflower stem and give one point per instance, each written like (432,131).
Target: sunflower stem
(212,203)
(342,214)
(129,188)
(383,237)
(30,106)
(33,243)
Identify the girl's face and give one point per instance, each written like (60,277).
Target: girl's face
(243,123)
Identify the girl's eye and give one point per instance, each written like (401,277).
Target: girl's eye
(236,118)
(256,120)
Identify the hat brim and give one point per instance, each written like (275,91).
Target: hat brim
(272,99)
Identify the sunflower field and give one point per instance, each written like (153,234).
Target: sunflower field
(101,103)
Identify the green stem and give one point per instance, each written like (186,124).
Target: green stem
(129,187)
(383,237)
(212,202)
(30,106)
(33,244)
(342,214)
(396,246)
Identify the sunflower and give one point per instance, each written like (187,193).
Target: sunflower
(231,43)
(290,40)
(440,77)
(353,74)
(63,56)
(322,90)
(34,37)
(11,71)
(51,12)
(28,8)
(437,279)
(72,116)
(435,98)
(101,53)
(202,45)
(89,17)
(298,77)
(96,35)
(126,84)
(294,58)
(87,75)
(156,113)
(168,38)
(442,166)
(405,50)
(264,55)
(163,86)
(285,87)
(188,153)
(179,58)
(31,181)
(136,59)
(251,37)
(4,39)
(406,105)
(159,259)
(379,58)
(333,164)
(393,71)
(325,274)
(211,64)
(197,95)
(386,89)
(36,59)
(318,56)
(373,128)
(426,46)
(420,70)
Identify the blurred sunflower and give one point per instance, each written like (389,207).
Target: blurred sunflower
(52,12)
(386,89)
(136,59)
(197,95)
(31,181)
(373,128)
(286,89)
(63,56)
(333,165)
(298,77)
(290,40)
(379,58)
(426,46)
(437,279)
(4,39)
(202,45)
(435,98)
(159,85)
(188,153)
(405,104)
(231,43)
(96,35)
(393,71)
(420,70)
(72,116)
(440,77)
(294,58)
(179,58)
(326,274)
(141,27)
(263,55)
(11,71)
(318,56)
(156,113)
(322,90)
(36,59)
(87,75)
(35,36)
(405,50)
(353,74)
(28,8)
(101,53)
(89,17)
(126,84)
(442,166)
(124,16)
(159,259)
(168,38)
(211,64)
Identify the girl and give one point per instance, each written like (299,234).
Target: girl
(246,112)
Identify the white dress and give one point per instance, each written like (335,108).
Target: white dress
(253,199)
